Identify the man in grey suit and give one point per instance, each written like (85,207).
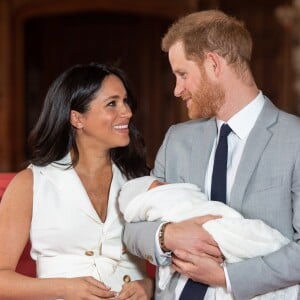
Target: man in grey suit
(209,53)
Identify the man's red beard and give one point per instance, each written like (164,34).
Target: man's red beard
(207,100)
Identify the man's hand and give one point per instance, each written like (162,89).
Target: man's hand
(190,236)
(199,268)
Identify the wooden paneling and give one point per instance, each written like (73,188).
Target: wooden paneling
(23,84)
(5,83)
(55,43)
(271,51)
(166,8)
(16,76)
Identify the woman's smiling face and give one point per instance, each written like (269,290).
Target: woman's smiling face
(106,122)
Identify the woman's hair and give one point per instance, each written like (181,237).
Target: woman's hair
(53,135)
(211,31)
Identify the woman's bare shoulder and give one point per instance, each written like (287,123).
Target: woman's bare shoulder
(20,186)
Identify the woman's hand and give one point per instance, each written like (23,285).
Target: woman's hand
(86,288)
(137,290)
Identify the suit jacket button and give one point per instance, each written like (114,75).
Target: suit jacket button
(89,253)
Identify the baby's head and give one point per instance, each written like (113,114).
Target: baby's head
(134,187)
(156,183)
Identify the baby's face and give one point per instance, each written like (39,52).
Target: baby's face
(156,183)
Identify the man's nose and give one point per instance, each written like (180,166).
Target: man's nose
(178,89)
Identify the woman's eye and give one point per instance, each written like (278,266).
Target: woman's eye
(111,103)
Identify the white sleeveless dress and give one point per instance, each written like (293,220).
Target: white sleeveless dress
(69,239)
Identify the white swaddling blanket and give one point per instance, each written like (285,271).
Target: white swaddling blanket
(238,238)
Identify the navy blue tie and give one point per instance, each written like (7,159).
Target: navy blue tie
(218,180)
(196,290)
(193,290)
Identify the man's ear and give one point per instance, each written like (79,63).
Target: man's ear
(213,64)
(75,119)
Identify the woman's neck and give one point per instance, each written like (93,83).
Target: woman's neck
(92,163)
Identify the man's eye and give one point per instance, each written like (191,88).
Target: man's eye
(182,75)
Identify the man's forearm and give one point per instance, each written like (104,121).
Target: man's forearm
(139,239)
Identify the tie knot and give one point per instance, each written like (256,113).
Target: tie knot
(225,130)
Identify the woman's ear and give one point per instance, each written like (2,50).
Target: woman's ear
(75,119)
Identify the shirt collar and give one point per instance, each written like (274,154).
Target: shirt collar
(243,121)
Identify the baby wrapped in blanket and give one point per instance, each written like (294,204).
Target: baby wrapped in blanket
(147,199)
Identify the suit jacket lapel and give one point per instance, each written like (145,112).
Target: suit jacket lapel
(257,142)
(202,143)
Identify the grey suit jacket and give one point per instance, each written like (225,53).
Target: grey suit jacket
(266,187)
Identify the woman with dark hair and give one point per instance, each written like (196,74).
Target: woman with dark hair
(85,146)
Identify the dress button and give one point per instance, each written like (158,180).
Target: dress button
(126,278)
(89,253)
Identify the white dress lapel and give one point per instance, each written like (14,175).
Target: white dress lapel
(71,186)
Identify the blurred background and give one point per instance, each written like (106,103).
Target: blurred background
(41,38)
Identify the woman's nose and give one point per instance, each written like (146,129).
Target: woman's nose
(126,111)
